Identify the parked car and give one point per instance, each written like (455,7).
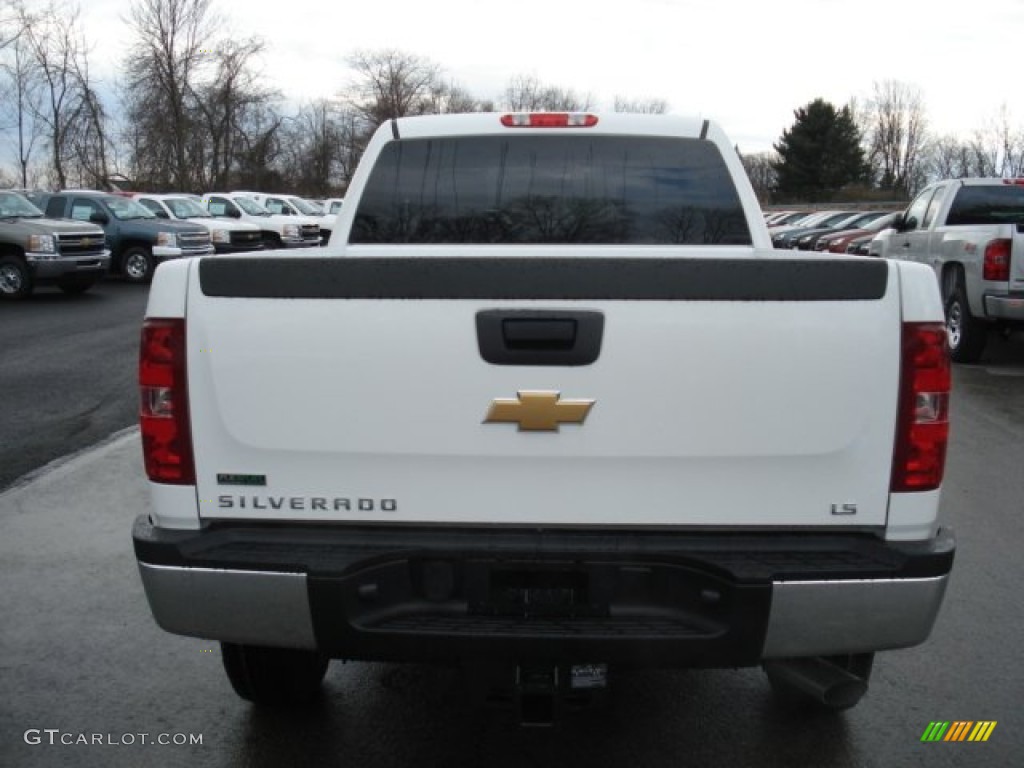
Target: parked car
(778,218)
(772,218)
(836,242)
(859,246)
(36,250)
(806,220)
(227,236)
(787,237)
(808,240)
(137,239)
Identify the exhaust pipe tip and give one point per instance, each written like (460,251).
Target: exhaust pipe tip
(817,679)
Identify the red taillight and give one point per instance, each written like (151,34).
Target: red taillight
(997,260)
(163,403)
(548,120)
(922,428)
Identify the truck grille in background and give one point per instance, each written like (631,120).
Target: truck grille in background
(194,241)
(83,244)
(310,232)
(246,238)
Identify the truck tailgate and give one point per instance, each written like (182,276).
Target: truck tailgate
(738,392)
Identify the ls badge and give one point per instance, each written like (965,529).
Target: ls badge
(537,411)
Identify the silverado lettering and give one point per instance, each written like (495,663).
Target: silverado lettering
(314,503)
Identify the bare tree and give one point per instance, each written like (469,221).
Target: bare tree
(60,59)
(350,145)
(640,106)
(173,39)
(760,168)
(223,105)
(11,16)
(310,148)
(999,146)
(88,138)
(449,97)
(390,83)
(947,157)
(21,100)
(256,160)
(896,135)
(525,93)
(984,153)
(54,97)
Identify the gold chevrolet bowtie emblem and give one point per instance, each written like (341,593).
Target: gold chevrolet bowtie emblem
(537,411)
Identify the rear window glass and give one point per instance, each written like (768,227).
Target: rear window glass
(987,205)
(550,190)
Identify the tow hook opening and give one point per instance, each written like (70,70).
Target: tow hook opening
(546,692)
(536,690)
(538,693)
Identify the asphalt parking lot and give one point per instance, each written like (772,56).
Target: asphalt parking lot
(81,657)
(67,372)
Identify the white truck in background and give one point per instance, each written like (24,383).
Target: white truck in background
(277,231)
(226,235)
(332,205)
(547,405)
(293,205)
(971,233)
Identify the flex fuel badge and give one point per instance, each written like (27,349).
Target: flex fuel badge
(231,478)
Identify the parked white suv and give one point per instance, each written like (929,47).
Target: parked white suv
(277,231)
(227,236)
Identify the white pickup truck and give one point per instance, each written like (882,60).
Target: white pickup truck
(293,205)
(971,233)
(277,231)
(548,404)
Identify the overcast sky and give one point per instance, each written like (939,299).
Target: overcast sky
(747,64)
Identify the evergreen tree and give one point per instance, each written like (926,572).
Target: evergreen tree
(819,154)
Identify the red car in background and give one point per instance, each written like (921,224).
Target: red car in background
(838,242)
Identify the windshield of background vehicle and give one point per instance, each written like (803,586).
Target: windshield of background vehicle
(305,207)
(250,206)
(16,205)
(123,208)
(183,208)
(550,189)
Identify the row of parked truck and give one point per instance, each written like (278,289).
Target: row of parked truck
(73,238)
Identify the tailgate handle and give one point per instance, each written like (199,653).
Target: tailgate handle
(539,337)
(542,333)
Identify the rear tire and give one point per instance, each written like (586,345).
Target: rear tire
(967,334)
(137,265)
(15,278)
(277,677)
